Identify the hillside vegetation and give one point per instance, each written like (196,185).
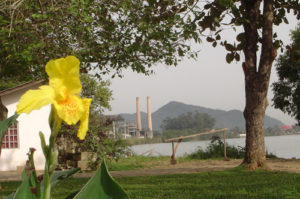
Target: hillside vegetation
(223,119)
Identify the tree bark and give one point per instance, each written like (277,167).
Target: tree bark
(3,116)
(254,113)
(257,78)
(3,111)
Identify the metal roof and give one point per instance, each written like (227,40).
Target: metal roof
(21,86)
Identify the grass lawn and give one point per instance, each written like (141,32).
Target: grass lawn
(144,162)
(234,183)
(137,162)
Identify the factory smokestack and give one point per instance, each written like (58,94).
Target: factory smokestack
(138,115)
(149,114)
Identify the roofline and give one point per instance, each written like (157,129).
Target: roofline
(21,86)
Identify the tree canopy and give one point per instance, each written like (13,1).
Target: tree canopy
(98,91)
(187,124)
(287,89)
(197,121)
(106,35)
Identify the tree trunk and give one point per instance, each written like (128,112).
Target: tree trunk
(3,116)
(254,113)
(3,111)
(257,78)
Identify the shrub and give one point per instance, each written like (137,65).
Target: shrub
(216,150)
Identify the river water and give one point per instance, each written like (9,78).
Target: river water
(287,146)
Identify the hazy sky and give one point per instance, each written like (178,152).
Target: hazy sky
(208,81)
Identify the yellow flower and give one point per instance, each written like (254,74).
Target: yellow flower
(63,92)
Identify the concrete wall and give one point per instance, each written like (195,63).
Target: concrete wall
(29,127)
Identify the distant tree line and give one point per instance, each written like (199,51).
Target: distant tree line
(186,124)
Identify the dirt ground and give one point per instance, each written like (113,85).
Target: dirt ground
(291,165)
(208,165)
(201,166)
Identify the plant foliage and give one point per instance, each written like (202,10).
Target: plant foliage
(186,124)
(216,150)
(287,89)
(112,35)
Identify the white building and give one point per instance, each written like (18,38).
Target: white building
(25,134)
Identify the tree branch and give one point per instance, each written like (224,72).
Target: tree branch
(251,33)
(267,54)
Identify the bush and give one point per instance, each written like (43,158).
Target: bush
(216,150)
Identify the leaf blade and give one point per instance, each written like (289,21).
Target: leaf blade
(103,186)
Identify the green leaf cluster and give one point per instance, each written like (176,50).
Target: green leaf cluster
(219,15)
(196,120)
(110,36)
(98,91)
(186,124)
(287,88)
(101,185)
(106,35)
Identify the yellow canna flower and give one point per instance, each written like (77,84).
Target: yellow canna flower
(63,92)
(84,120)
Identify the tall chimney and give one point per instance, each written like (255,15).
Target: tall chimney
(138,115)
(149,114)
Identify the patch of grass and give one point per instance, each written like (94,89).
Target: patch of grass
(137,141)
(236,183)
(230,184)
(137,162)
(8,187)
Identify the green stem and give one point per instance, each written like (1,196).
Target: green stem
(47,185)
(50,156)
(38,190)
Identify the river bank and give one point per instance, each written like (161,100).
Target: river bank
(286,147)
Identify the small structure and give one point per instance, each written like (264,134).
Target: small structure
(179,139)
(25,133)
(149,132)
(138,115)
(242,135)
(127,130)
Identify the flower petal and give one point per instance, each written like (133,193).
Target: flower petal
(84,120)
(35,99)
(64,72)
(70,110)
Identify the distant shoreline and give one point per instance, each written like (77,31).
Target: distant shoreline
(157,140)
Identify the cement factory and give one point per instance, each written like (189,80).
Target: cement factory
(134,129)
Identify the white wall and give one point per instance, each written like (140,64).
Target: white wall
(29,127)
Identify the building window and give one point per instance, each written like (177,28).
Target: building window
(10,140)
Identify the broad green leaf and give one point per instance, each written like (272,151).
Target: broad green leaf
(60,175)
(102,186)
(24,191)
(5,124)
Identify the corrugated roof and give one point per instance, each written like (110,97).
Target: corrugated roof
(21,86)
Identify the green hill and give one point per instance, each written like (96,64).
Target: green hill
(224,119)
